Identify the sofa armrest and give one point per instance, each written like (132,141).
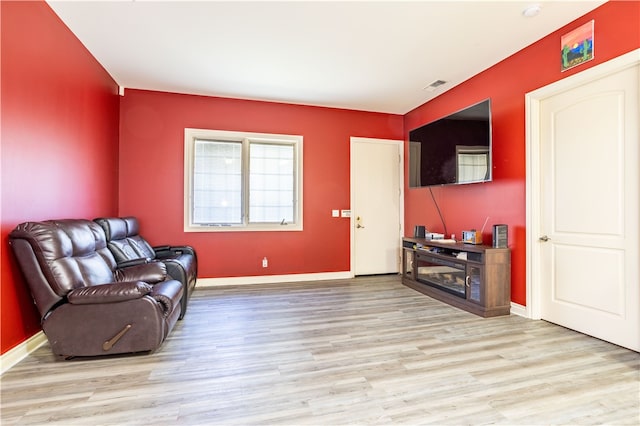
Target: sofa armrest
(132,262)
(168,294)
(151,273)
(172,251)
(109,293)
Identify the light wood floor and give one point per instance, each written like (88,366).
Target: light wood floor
(362,351)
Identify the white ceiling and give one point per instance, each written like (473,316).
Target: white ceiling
(362,55)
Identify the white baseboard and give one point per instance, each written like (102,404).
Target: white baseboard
(520,310)
(272,279)
(20,352)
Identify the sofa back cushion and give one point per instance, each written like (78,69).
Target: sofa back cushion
(71,253)
(124,240)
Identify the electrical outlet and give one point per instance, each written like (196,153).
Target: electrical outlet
(265,262)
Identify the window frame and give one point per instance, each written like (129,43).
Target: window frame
(246,138)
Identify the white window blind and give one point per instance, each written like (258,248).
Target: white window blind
(217,182)
(271,183)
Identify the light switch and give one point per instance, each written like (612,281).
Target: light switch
(335,213)
(346,213)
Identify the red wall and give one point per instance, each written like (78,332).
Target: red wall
(152,178)
(59,135)
(617,31)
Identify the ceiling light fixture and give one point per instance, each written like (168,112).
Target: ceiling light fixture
(531,11)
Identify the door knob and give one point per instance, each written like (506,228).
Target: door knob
(544,239)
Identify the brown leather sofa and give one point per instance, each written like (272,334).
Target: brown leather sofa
(129,248)
(89,306)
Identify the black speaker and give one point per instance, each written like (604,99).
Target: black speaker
(500,237)
(419,231)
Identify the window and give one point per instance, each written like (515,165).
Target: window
(472,163)
(242,181)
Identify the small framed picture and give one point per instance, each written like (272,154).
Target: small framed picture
(576,47)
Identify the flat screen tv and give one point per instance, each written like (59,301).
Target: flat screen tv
(455,149)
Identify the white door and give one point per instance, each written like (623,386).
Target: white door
(376,205)
(589,215)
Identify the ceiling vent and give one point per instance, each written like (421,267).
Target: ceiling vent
(434,85)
